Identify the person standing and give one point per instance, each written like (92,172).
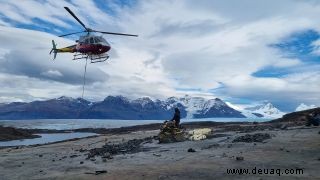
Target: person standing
(176,117)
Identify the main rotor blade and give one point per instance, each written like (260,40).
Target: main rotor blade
(72,33)
(72,14)
(121,34)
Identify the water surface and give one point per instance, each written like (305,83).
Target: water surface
(67,124)
(46,138)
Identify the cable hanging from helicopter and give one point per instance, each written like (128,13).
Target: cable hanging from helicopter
(88,46)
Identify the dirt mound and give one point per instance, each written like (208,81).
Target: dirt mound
(249,138)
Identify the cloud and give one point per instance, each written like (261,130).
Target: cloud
(213,46)
(52,73)
(316,47)
(27,53)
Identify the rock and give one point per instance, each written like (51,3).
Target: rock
(107,156)
(313,119)
(284,126)
(249,138)
(191,150)
(169,133)
(229,146)
(158,155)
(239,158)
(97,172)
(53,160)
(224,155)
(81,162)
(287,151)
(40,155)
(73,156)
(131,146)
(82,150)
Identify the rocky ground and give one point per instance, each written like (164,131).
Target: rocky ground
(9,133)
(136,154)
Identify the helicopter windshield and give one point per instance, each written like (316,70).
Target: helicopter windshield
(95,40)
(101,40)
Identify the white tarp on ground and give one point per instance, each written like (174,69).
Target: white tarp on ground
(199,134)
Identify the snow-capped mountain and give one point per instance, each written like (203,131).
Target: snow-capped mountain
(193,105)
(264,110)
(119,107)
(198,107)
(303,106)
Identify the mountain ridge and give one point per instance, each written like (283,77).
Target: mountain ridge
(118,107)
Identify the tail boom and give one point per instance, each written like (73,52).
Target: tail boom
(70,49)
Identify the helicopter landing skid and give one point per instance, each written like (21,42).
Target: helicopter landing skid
(98,58)
(93,58)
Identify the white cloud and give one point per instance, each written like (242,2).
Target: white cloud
(181,44)
(316,47)
(52,73)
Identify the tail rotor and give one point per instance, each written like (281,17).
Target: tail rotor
(54,49)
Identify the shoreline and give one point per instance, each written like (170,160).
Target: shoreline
(21,133)
(220,126)
(287,146)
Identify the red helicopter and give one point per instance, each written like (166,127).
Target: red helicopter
(89,46)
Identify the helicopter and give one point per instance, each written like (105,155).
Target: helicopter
(88,46)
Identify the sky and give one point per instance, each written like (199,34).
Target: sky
(241,51)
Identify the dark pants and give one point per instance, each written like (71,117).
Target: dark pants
(177,123)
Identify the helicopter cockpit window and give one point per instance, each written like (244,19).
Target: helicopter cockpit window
(103,40)
(86,41)
(91,41)
(97,40)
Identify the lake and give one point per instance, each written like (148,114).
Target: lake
(46,138)
(67,124)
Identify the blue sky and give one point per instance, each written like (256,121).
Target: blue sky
(258,51)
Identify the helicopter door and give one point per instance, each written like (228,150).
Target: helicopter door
(86,41)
